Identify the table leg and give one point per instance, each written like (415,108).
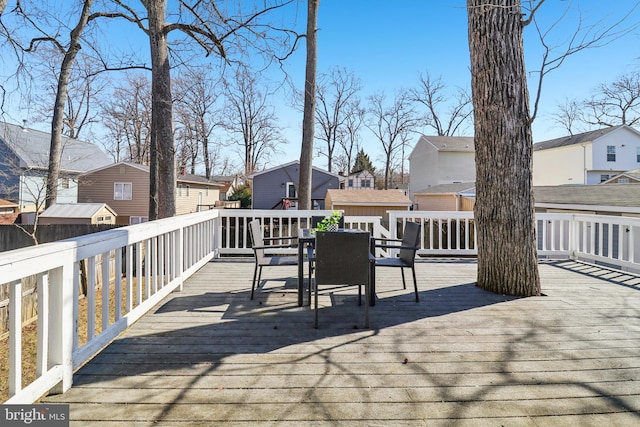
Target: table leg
(300,273)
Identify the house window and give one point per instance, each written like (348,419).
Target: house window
(291,191)
(64,183)
(188,191)
(638,154)
(179,190)
(611,153)
(603,178)
(107,218)
(137,219)
(350,182)
(100,219)
(366,183)
(122,190)
(623,180)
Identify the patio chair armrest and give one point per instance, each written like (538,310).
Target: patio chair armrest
(397,247)
(271,239)
(274,246)
(385,239)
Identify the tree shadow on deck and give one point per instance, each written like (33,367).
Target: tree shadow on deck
(201,340)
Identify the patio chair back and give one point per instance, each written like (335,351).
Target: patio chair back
(410,239)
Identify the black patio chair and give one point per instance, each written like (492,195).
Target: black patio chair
(408,246)
(342,258)
(264,254)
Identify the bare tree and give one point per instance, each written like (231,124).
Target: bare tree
(197,112)
(392,124)
(433,95)
(615,104)
(350,137)
(126,115)
(336,99)
(504,209)
(308,115)
(568,114)
(213,30)
(584,36)
(251,117)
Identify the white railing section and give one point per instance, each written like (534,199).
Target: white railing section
(92,287)
(125,272)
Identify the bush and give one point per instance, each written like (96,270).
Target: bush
(242,193)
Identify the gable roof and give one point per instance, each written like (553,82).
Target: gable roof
(144,168)
(632,174)
(32,147)
(580,138)
(449,143)
(455,188)
(368,197)
(295,162)
(614,197)
(74,210)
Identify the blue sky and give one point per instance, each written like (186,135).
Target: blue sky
(387,44)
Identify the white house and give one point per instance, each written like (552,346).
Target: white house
(587,158)
(359,180)
(439,160)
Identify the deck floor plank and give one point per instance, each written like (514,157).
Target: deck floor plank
(462,356)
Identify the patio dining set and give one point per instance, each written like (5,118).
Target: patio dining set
(345,257)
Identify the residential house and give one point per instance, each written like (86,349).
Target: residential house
(9,212)
(606,199)
(446,197)
(358,180)
(24,163)
(367,202)
(439,160)
(276,188)
(78,213)
(586,158)
(609,199)
(229,185)
(629,177)
(125,188)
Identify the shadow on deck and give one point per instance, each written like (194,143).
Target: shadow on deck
(462,356)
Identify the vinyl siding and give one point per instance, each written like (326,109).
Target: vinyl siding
(97,187)
(189,204)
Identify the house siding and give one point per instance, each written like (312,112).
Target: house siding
(98,187)
(436,202)
(270,187)
(189,204)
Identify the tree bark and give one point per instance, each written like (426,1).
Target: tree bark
(308,119)
(55,147)
(162,167)
(504,210)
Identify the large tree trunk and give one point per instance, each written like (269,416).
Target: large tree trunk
(308,119)
(55,147)
(162,168)
(504,210)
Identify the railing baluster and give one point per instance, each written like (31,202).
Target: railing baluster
(42,351)
(91,297)
(15,337)
(105,290)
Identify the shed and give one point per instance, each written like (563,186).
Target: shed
(78,213)
(367,202)
(459,196)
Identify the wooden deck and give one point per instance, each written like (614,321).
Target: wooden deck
(461,357)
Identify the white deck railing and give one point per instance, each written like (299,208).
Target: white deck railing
(133,268)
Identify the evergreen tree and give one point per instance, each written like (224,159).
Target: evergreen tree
(362,162)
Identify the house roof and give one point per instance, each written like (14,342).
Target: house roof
(7,203)
(368,197)
(455,188)
(449,143)
(32,147)
(604,196)
(74,210)
(633,174)
(295,162)
(179,178)
(580,138)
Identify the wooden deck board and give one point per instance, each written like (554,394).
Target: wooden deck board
(210,356)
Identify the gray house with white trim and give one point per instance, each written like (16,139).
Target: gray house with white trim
(24,164)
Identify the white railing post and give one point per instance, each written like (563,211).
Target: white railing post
(15,337)
(178,256)
(61,323)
